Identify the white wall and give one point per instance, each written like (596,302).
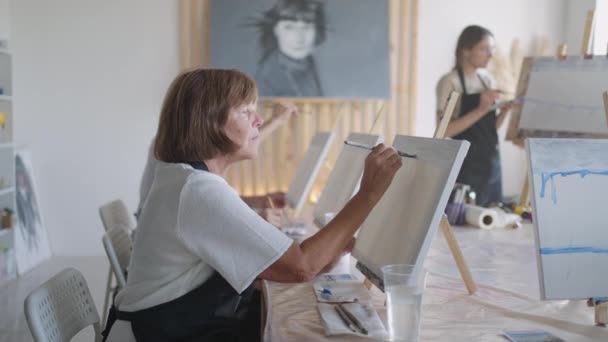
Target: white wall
(441,21)
(576,17)
(89,80)
(4,20)
(600,42)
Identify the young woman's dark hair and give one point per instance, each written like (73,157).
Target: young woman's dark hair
(469,37)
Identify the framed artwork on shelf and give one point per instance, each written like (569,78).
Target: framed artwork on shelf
(31,240)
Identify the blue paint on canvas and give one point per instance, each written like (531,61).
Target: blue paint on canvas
(548,176)
(573,250)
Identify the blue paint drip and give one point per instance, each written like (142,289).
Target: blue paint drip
(548,176)
(573,250)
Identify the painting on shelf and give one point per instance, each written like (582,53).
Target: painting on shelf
(31,240)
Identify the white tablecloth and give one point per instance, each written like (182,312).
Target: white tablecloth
(503,264)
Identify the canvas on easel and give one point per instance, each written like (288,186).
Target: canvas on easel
(401,226)
(345,175)
(307,170)
(569,183)
(560,98)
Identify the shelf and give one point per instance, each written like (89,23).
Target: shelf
(7,190)
(5,52)
(6,98)
(6,145)
(5,232)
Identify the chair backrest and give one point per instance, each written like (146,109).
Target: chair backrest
(116,214)
(61,307)
(118,246)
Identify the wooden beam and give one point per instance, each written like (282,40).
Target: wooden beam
(587,34)
(196,32)
(184,34)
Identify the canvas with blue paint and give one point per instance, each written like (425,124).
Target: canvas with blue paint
(569,182)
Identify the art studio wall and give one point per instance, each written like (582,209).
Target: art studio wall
(89,80)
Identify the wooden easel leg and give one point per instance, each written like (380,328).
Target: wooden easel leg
(457,253)
(524,198)
(601,314)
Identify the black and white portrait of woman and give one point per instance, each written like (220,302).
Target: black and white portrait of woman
(288,34)
(31,241)
(305,48)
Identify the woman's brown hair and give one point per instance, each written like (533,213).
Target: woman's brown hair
(469,37)
(194,112)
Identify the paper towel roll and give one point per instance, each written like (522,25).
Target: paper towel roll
(481,217)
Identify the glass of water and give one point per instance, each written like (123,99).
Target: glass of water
(403,285)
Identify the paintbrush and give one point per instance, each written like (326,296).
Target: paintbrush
(402,154)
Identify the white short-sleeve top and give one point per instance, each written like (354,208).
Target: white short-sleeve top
(193,224)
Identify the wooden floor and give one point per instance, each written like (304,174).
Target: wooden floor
(13,326)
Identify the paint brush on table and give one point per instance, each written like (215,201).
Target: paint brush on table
(353,319)
(345,320)
(402,154)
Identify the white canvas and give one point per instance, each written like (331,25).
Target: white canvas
(308,169)
(345,176)
(31,241)
(566,96)
(400,228)
(569,182)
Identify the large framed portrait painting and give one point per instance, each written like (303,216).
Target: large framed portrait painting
(305,48)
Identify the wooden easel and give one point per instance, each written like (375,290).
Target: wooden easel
(446,228)
(524,200)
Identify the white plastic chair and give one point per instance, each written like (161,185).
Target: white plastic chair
(114,214)
(61,307)
(118,246)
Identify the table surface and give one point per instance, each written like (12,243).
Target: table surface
(503,264)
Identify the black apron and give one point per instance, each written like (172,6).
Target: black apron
(481,166)
(214,311)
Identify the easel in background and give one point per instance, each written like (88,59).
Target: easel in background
(601,308)
(446,228)
(600,305)
(561,55)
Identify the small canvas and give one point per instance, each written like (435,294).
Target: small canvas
(31,241)
(399,230)
(308,169)
(569,182)
(345,176)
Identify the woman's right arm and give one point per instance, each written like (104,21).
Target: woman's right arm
(464,122)
(303,262)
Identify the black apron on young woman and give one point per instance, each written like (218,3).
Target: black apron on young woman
(214,311)
(481,167)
